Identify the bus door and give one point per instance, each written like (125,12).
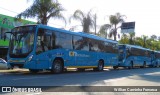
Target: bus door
(152,58)
(44,40)
(121,54)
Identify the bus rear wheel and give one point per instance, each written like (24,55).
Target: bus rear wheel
(115,67)
(57,66)
(100,66)
(131,65)
(144,64)
(80,69)
(156,65)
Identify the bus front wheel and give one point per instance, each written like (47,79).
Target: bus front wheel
(57,66)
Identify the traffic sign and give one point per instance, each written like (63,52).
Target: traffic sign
(127,27)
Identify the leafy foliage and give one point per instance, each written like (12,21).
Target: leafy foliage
(43,10)
(86,20)
(144,41)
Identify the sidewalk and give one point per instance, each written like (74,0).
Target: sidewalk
(13,70)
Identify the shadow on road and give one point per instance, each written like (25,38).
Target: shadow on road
(73,78)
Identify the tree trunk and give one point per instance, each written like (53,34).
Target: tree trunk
(115,32)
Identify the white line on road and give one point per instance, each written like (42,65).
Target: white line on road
(29,78)
(34,94)
(115,79)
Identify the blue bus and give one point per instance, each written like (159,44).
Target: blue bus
(131,56)
(40,47)
(155,62)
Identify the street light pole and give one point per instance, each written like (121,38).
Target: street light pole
(95,24)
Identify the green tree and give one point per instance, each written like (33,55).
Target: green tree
(144,38)
(114,21)
(43,10)
(154,37)
(124,39)
(103,30)
(86,20)
(131,38)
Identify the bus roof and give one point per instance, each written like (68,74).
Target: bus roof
(76,33)
(135,46)
(157,51)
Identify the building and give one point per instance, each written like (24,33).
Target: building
(6,24)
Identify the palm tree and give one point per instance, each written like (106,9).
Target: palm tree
(154,37)
(103,29)
(114,21)
(86,20)
(144,38)
(131,38)
(124,39)
(43,10)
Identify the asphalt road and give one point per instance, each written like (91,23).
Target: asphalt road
(108,77)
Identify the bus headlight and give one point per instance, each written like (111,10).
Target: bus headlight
(30,58)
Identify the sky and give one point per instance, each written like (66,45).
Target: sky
(145,13)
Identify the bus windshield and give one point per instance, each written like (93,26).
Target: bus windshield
(22,41)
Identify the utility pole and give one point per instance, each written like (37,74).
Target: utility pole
(95,24)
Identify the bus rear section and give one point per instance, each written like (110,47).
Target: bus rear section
(134,56)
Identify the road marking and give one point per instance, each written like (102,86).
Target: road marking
(115,79)
(34,94)
(93,73)
(154,73)
(29,78)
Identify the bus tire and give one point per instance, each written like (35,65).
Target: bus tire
(156,64)
(144,64)
(80,69)
(115,67)
(33,71)
(100,65)
(57,66)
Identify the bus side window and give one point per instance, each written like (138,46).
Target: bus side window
(64,40)
(54,36)
(48,40)
(39,41)
(95,45)
(80,43)
(43,41)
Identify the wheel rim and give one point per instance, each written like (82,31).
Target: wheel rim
(100,65)
(57,67)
